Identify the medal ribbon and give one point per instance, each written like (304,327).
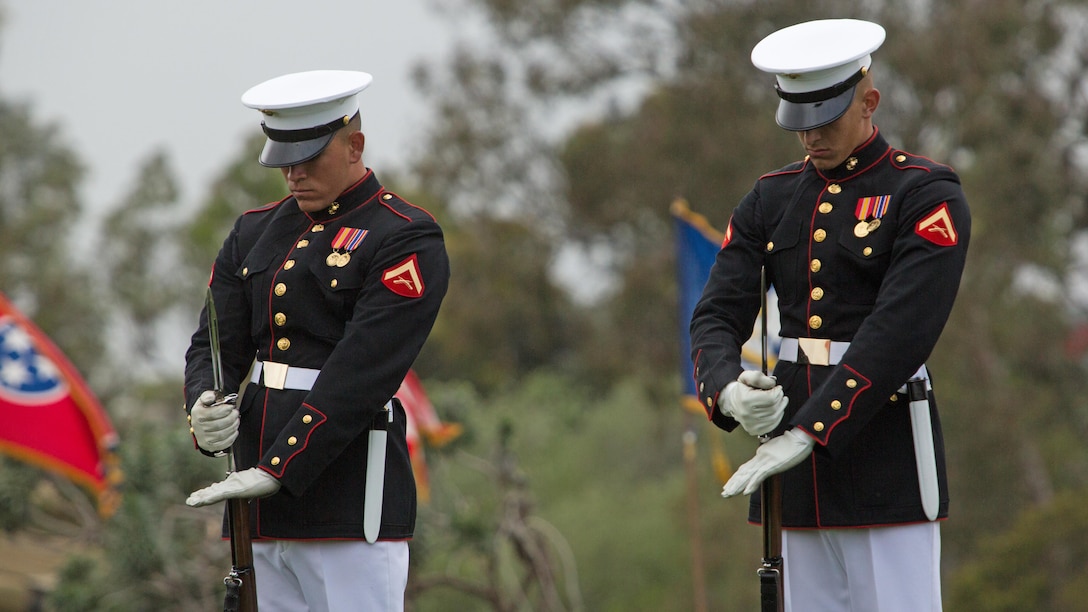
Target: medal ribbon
(872,206)
(348,238)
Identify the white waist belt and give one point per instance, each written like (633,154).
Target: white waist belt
(819,351)
(282,376)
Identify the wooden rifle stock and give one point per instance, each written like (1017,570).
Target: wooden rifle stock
(241,584)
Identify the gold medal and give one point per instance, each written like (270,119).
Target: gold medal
(343,260)
(861,230)
(332,259)
(875,223)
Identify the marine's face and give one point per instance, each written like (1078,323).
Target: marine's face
(830,145)
(318,182)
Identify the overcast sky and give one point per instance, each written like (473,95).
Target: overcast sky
(124,78)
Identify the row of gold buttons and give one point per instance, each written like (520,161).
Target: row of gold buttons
(292,440)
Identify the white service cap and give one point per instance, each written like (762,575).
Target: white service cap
(303,110)
(817,65)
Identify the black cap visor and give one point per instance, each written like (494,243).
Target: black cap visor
(289,147)
(801,116)
(278,154)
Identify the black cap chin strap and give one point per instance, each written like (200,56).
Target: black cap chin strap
(307,133)
(820,95)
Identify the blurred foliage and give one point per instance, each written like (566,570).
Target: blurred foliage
(570,130)
(597,479)
(1040,563)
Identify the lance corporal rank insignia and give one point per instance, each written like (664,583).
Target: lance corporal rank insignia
(869,211)
(937,227)
(404,278)
(346,241)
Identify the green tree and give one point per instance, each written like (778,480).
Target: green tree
(41,233)
(136,258)
(243,185)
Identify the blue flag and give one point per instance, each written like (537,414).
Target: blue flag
(697,245)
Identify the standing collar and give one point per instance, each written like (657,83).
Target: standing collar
(860,160)
(353,197)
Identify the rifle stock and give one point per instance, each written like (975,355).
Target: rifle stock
(241,580)
(771,585)
(241,595)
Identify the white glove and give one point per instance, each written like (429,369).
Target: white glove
(214,425)
(246,484)
(772,457)
(755,400)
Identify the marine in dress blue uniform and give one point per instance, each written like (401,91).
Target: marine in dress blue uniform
(866,257)
(321,314)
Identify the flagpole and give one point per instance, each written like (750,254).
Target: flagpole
(698,571)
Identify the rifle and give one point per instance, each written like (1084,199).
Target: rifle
(241,595)
(771,585)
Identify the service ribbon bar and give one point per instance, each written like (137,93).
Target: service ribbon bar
(872,207)
(348,238)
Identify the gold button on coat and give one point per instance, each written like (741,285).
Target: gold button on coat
(851,163)
(815,265)
(817,293)
(770,247)
(318,228)
(287,265)
(275,461)
(302,244)
(836,404)
(387,196)
(900,158)
(819,235)
(815,321)
(332,283)
(280,289)
(292,441)
(307,419)
(709,402)
(826,207)
(245,271)
(833,188)
(851,383)
(283,344)
(281,319)
(818,426)
(867,251)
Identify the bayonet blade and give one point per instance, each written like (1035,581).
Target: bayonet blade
(213,340)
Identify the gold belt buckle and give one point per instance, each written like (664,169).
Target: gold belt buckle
(275,374)
(816,350)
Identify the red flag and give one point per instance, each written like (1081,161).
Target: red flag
(50,417)
(424,427)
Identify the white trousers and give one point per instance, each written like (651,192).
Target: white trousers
(882,569)
(330,576)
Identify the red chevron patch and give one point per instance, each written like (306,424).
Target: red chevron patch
(938,228)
